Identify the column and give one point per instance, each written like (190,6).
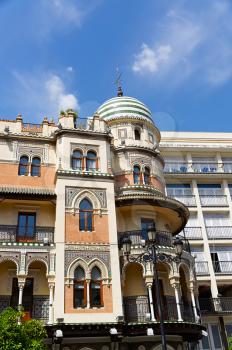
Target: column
(176,287)
(194,303)
(149,286)
(87,293)
(21,284)
(51,292)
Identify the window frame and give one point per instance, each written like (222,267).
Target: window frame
(99,283)
(22,165)
(85,212)
(75,158)
(36,166)
(139,173)
(26,237)
(80,282)
(89,159)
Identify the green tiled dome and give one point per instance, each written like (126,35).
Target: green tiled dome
(124,106)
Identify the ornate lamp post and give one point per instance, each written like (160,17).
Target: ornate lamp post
(150,255)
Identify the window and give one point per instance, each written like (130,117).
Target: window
(79,293)
(122,134)
(96,288)
(146,223)
(86,215)
(35,166)
(136,174)
(137,134)
(77,160)
(26,227)
(23,165)
(176,190)
(151,137)
(91,161)
(146,176)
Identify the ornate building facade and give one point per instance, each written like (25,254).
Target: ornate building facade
(71,193)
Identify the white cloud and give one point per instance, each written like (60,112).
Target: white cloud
(57,93)
(190,43)
(149,60)
(69,69)
(68,10)
(40,94)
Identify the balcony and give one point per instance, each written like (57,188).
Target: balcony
(215,305)
(176,167)
(219,232)
(222,267)
(227,167)
(204,167)
(39,234)
(192,233)
(136,309)
(202,268)
(162,238)
(187,199)
(40,307)
(32,128)
(213,200)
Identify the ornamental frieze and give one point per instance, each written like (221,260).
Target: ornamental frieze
(72,192)
(71,256)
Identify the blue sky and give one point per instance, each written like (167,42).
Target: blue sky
(175,56)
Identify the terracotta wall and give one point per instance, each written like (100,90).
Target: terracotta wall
(9,176)
(99,235)
(107,300)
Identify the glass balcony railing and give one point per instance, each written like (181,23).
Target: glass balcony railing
(175,167)
(204,167)
(219,232)
(214,200)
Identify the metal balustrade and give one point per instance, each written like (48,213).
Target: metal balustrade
(192,233)
(137,309)
(202,268)
(219,232)
(38,234)
(163,238)
(204,167)
(176,167)
(213,200)
(215,305)
(222,267)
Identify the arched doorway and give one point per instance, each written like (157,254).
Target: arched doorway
(135,298)
(8,272)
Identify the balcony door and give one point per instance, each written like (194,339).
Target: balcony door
(27,301)
(26,227)
(145,224)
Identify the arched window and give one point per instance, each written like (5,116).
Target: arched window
(77,160)
(136,174)
(146,176)
(79,292)
(91,161)
(35,166)
(96,299)
(23,165)
(137,134)
(86,215)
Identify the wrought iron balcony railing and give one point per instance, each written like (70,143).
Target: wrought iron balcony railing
(213,200)
(162,238)
(192,233)
(136,309)
(176,167)
(219,232)
(222,267)
(216,305)
(202,268)
(39,234)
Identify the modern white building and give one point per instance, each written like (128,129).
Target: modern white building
(198,172)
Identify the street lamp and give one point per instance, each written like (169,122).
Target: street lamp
(150,254)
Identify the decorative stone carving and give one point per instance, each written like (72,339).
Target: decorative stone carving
(72,192)
(43,257)
(31,149)
(71,256)
(84,148)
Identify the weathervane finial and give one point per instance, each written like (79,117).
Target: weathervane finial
(118,82)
